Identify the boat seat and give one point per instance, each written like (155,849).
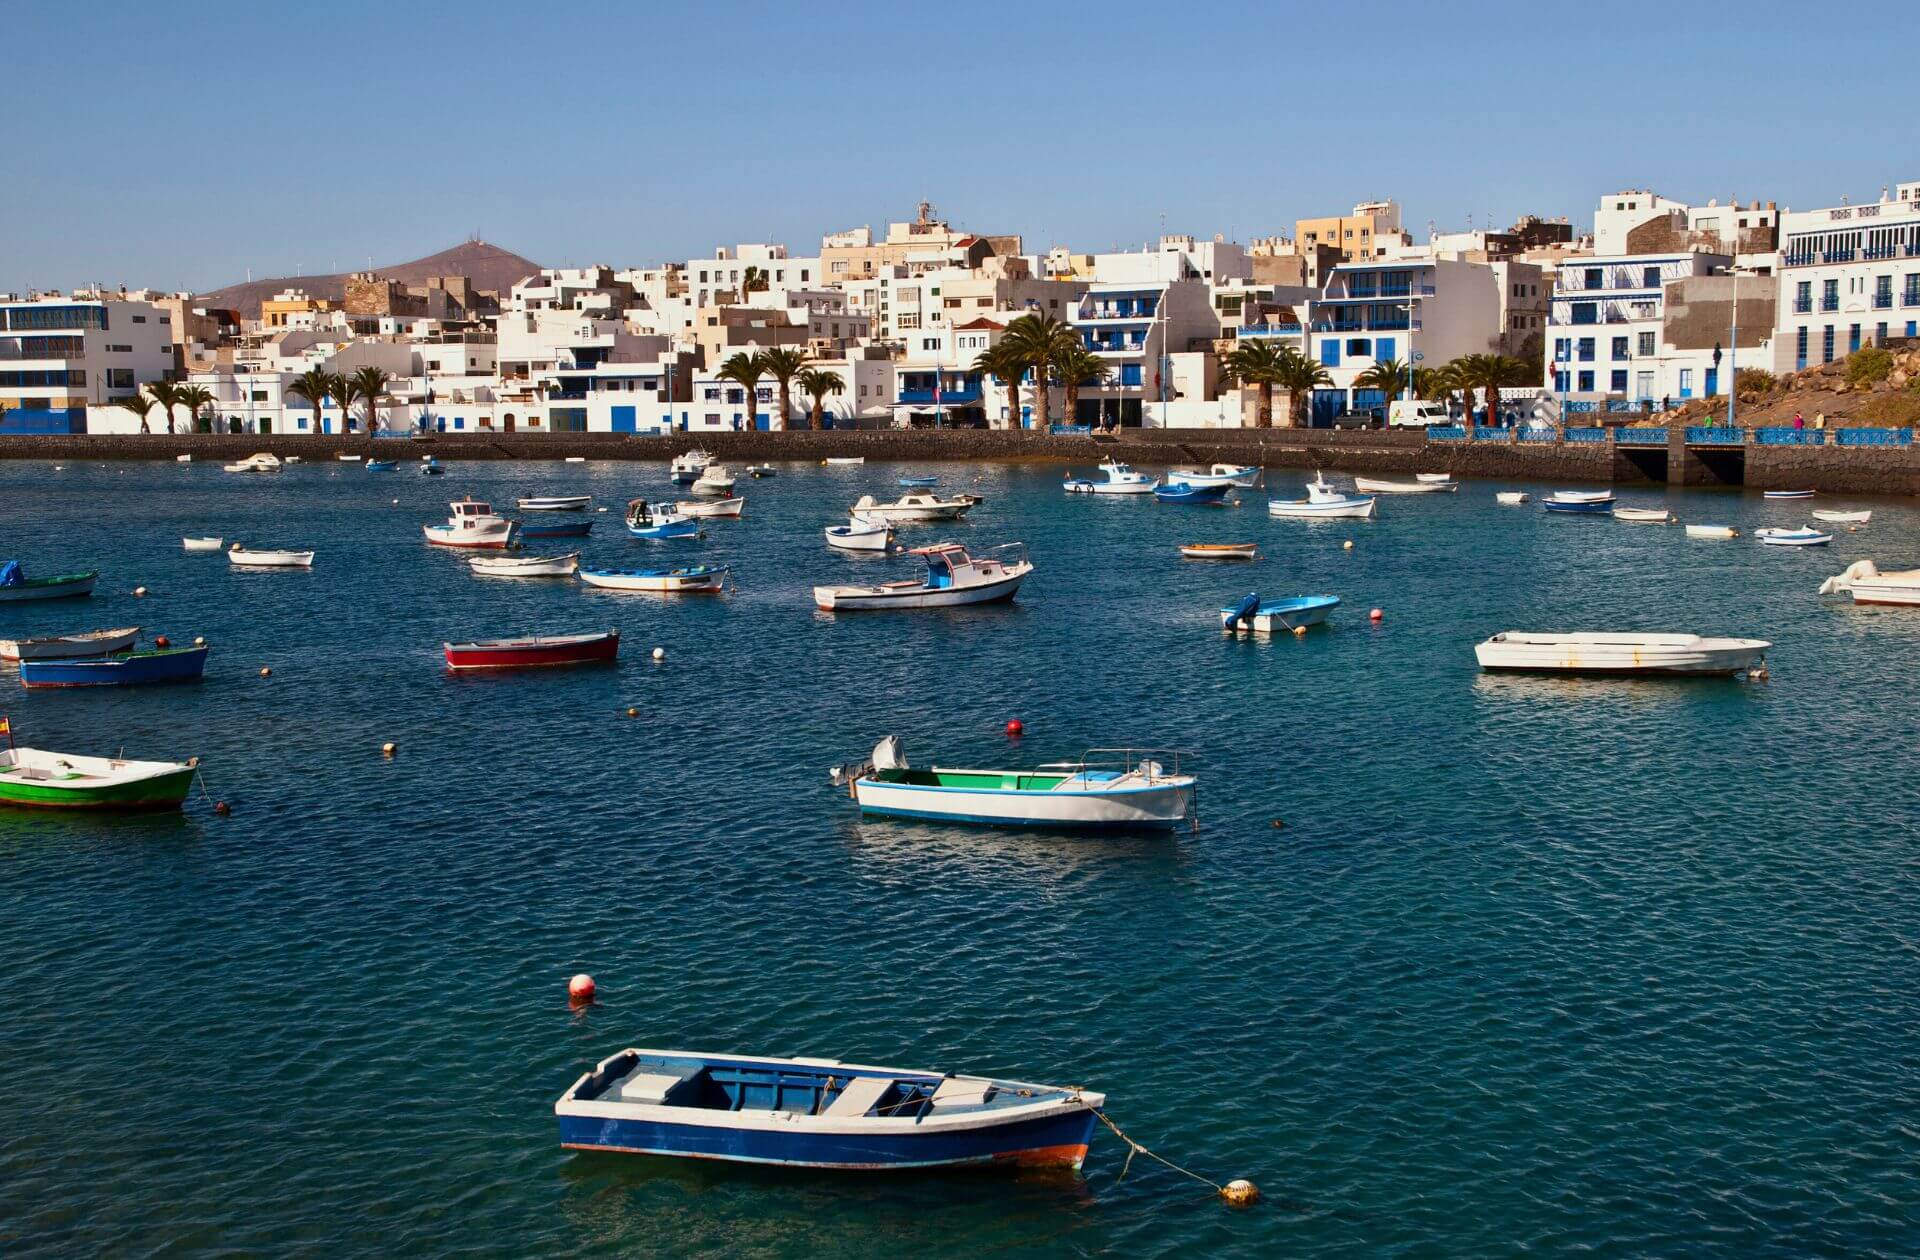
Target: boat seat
(642,1086)
(955,1092)
(860,1096)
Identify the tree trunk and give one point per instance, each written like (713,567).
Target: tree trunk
(1263,412)
(1013,403)
(1073,403)
(1040,416)
(786,400)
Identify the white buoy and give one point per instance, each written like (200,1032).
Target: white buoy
(139,591)
(659,654)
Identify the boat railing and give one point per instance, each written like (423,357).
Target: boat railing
(1007,555)
(1126,760)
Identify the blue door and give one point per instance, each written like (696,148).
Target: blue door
(1713,381)
(624,421)
(1327,404)
(1373,401)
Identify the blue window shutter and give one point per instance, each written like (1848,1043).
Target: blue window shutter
(1383,348)
(1330,353)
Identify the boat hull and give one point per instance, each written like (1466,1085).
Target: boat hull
(1618,660)
(1220,551)
(1157,807)
(68,586)
(69,647)
(567,503)
(1309,509)
(692,581)
(1579,507)
(533,654)
(847,538)
(1369,485)
(170,665)
(1109,487)
(880,599)
(1281,618)
(495,539)
(160,792)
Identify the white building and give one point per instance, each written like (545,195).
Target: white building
(1134,327)
(1605,327)
(60,355)
(1849,276)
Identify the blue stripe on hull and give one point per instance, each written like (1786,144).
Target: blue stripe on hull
(1021,823)
(829,1150)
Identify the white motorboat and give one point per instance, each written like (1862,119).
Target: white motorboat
(1643,516)
(1841,518)
(1512,498)
(864,533)
(1434,479)
(472,524)
(1618,654)
(732,505)
(916,505)
(1270,615)
(757,471)
(1864,581)
(715,481)
(347,459)
(684,580)
(1246,476)
(954,577)
(241,558)
(1121,479)
(525,566)
(264,462)
(1712,531)
(1108,788)
(845,460)
(686,469)
(178,459)
(202,544)
(556,503)
(1376,485)
(1805,536)
(66,647)
(1323,500)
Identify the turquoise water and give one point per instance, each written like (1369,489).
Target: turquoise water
(1534,966)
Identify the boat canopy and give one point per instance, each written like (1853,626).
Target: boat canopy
(11,574)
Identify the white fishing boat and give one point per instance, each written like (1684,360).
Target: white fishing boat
(1805,536)
(556,503)
(1618,654)
(714,481)
(1324,500)
(1120,479)
(1643,516)
(845,460)
(525,566)
(864,533)
(1841,518)
(1864,581)
(1246,476)
(685,580)
(686,469)
(1283,615)
(1107,788)
(1712,531)
(241,558)
(1376,485)
(757,471)
(264,462)
(202,544)
(954,577)
(915,505)
(1512,498)
(732,505)
(472,524)
(61,647)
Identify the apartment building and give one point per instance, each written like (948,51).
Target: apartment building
(1606,327)
(61,354)
(1849,276)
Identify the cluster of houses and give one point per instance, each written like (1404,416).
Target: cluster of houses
(1661,302)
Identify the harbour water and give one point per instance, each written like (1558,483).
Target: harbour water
(1533,965)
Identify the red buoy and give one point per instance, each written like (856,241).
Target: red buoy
(161,641)
(580,988)
(1016,728)
(1375,615)
(222,809)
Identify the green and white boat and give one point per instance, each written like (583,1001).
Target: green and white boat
(32,778)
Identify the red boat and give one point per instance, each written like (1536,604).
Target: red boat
(534,651)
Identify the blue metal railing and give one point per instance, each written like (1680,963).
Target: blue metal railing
(1536,433)
(1873,437)
(1803,306)
(1486,433)
(1446,433)
(1784,435)
(1584,434)
(1715,435)
(1071,429)
(1641,437)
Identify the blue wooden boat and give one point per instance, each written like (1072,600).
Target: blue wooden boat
(821,1113)
(1188,492)
(431,468)
(1580,502)
(1267,616)
(382,465)
(659,520)
(160,665)
(919,481)
(556,529)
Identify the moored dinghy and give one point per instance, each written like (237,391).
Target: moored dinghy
(821,1113)
(1108,788)
(1220,551)
(1579,502)
(1618,654)
(128,669)
(241,558)
(702,509)
(1281,615)
(1209,494)
(33,778)
(70,646)
(1323,500)
(1841,518)
(1512,498)
(1420,485)
(688,580)
(1805,536)
(1786,494)
(556,503)
(1643,516)
(863,533)
(954,577)
(202,544)
(1712,531)
(1864,581)
(535,651)
(659,520)
(17,587)
(525,566)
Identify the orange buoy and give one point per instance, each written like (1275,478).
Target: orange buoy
(1376,615)
(161,641)
(632,712)
(1016,728)
(222,809)
(1240,1193)
(580,988)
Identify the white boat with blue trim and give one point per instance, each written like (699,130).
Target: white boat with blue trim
(1805,536)
(955,576)
(1245,476)
(1285,615)
(1324,499)
(821,1113)
(1121,479)
(1126,789)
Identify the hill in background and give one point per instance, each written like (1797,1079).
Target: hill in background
(488,266)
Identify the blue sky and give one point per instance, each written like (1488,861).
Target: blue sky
(147,146)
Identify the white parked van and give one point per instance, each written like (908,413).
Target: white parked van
(1417,411)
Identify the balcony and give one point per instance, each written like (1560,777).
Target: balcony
(955,396)
(1883,301)
(1829,304)
(1874,252)
(1803,306)
(1134,310)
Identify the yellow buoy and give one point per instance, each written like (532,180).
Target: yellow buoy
(265,672)
(1300,630)
(631,712)
(1347,545)
(1240,1193)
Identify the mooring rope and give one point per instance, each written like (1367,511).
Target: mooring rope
(1136,1148)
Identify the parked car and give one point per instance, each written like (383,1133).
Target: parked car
(1358,420)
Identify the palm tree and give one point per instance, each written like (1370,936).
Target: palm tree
(166,395)
(1389,376)
(369,385)
(783,363)
(340,389)
(1003,363)
(1079,367)
(316,386)
(1040,341)
(195,398)
(1486,372)
(1256,363)
(139,405)
(1430,383)
(1300,376)
(752,280)
(745,370)
(817,383)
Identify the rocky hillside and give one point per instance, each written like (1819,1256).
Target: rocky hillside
(1877,386)
(488,266)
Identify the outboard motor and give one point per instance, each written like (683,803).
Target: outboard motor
(1242,613)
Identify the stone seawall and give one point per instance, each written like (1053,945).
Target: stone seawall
(1872,470)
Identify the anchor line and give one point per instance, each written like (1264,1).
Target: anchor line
(1136,1148)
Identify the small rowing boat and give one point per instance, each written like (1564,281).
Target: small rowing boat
(844,460)
(241,558)
(129,669)
(348,459)
(1579,502)
(33,778)
(382,465)
(556,503)
(1712,531)
(1286,615)
(202,544)
(17,587)
(1805,536)
(533,651)
(69,646)
(863,533)
(1376,485)
(1787,494)
(682,581)
(703,509)
(525,566)
(1220,551)
(1842,518)
(1618,654)
(1512,498)
(821,1113)
(1210,494)
(954,577)
(1864,581)
(1643,516)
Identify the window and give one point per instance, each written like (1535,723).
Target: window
(1620,348)
(1595,278)
(139,319)
(1646,345)
(1686,382)
(1882,292)
(1803,297)
(1800,349)
(1130,374)
(1586,349)
(1830,295)
(117,378)
(1586,382)
(1826,344)
(1643,385)
(1650,278)
(1562,349)
(1910,295)
(1619,382)
(1359,347)
(1853,338)
(1586,313)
